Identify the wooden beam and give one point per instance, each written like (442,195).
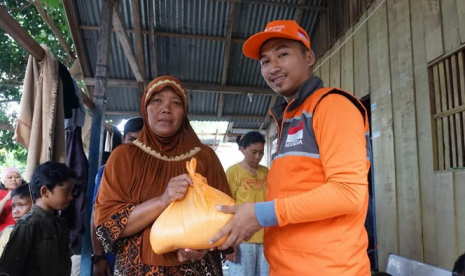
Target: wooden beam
(7,127)
(147,32)
(227,45)
(114,82)
(87,101)
(122,35)
(153,42)
(267,3)
(230,127)
(300,12)
(138,32)
(219,113)
(20,35)
(191,116)
(11,100)
(75,70)
(218,134)
(229,117)
(267,116)
(195,87)
(71,16)
(449,112)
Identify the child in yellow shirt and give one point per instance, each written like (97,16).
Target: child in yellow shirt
(247,180)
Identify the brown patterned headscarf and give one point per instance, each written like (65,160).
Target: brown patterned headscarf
(182,142)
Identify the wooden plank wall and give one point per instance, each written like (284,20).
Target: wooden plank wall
(341,16)
(424,132)
(405,136)
(420,212)
(347,62)
(361,80)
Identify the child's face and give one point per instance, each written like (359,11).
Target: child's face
(61,196)
(20,206)
(12,180)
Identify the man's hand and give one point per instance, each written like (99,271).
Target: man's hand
(185,255)
(241,227)
(101,268)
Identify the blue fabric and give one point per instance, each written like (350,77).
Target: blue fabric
(98,179)
(266,216)
(250,261)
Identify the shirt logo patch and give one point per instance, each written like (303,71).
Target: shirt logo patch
(295,135)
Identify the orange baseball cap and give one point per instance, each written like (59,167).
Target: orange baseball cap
(288,29)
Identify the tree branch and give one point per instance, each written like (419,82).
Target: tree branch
(6,126)
(53,28)
(11,100)
(11,84)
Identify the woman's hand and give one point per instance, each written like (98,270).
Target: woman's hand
(147,212)
(7,197)
(101,268)
(185,255)
(177,188)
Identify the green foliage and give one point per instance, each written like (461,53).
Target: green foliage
(13,62)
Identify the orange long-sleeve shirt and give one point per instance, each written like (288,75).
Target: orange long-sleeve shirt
(319,185)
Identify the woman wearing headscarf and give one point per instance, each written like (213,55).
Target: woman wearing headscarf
(141,179)
(11,178)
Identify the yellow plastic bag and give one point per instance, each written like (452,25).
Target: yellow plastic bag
(192,221)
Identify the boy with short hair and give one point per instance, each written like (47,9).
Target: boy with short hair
(39,242)
(21,204)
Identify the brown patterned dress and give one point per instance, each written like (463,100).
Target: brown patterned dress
(128,262)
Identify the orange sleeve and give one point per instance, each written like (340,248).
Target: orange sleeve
(340,134)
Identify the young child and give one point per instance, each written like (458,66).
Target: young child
(21,203)
(38,244)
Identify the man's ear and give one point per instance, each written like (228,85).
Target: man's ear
(44,191)
(310,56)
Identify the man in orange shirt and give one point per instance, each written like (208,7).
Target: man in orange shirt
(317,195)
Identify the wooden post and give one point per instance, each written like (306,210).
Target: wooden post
(98,118)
